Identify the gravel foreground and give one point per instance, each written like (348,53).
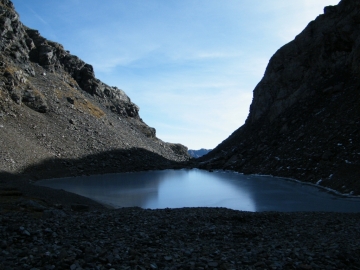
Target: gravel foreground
(41,228)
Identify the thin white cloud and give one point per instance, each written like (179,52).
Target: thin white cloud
(38,16)
(34,17)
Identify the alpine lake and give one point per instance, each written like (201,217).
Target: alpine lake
(199,188)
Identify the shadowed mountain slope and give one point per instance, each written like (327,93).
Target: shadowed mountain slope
(304,120)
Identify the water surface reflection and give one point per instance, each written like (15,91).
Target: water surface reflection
(197,188)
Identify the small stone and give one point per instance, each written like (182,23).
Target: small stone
(80,207)
(305,267)
(70,100)
(213,264)
(25,232)
(58,206)
(48,230)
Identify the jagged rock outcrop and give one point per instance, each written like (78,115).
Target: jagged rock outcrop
(52,107)
(53,57)
(304,118)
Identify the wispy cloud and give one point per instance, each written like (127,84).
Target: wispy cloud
(38,16)
(202,109)
(34,16)
(204,100)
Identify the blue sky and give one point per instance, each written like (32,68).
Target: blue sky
(190,65)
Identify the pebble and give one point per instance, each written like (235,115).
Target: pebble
(135,238)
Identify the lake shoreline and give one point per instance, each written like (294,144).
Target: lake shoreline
(42,219)
(159,189)
(26,186)
(317,185)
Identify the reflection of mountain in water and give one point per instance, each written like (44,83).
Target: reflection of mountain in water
(211,190)
(117,190)
(182,188)
(197,188)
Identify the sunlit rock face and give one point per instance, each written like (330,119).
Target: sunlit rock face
(304,118)
(57,118)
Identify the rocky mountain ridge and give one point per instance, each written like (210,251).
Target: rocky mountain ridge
(198,153)
(53,109)
(304,118)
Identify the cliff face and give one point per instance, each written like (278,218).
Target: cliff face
(52,107)
(304,120)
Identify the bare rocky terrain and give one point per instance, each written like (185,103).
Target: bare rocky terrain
(57,119)
(304,118)
(46,229)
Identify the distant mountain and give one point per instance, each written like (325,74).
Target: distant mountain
(304,119)
(198,153)
(54,111)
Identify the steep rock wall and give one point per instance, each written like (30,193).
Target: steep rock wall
(304,118)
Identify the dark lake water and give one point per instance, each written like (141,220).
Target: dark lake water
(198,188)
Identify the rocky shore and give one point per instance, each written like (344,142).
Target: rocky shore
(41,228)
